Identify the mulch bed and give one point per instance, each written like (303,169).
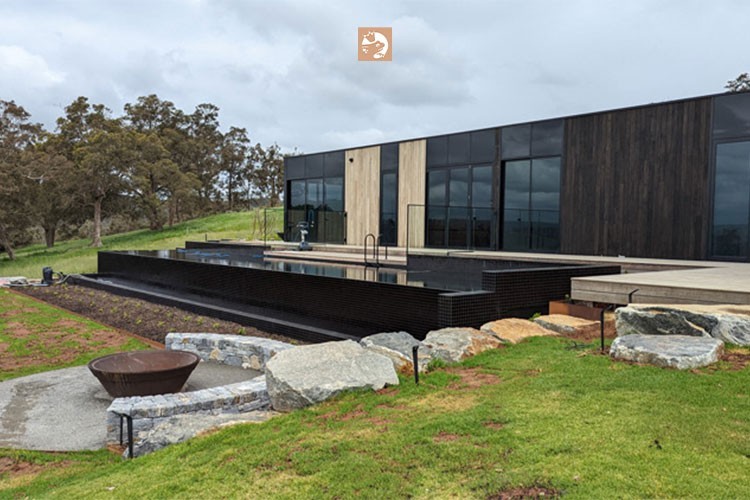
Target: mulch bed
(143,318)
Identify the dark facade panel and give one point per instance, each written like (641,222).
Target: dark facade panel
(636,182)
(294,167)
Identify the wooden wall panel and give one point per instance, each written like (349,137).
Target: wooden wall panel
(362,194)
(636,182)
(412,179)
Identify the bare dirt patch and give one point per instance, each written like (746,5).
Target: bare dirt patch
(380,421)
(494,425)
(14,468)
(16,312)
(59,343)
(525,493)
(18,330)
(593,333)
(352,415)
(143,318)
(737,360)
(472,378)
(388,391)
(445,437)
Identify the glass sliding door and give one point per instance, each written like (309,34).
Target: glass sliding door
(436,209)
(314,204)
(545,204)
(458,208)
(516,206)
(731,200)
(332,220)
(296,207)
(481,202)
(531,205)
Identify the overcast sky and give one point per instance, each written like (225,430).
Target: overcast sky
(288,70)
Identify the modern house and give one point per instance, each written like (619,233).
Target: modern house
(666,180)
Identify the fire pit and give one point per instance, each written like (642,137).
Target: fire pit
(144,373)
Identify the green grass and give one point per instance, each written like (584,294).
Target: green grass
(36,337)
(557,417)
(76,256)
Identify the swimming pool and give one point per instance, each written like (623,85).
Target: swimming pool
(322,301)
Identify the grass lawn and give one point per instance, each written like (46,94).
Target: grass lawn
(36,337)
(535,414)
(75,256)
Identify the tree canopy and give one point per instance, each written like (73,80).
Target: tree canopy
(153,165)
(739,84)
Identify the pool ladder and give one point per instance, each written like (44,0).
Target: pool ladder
(375,250)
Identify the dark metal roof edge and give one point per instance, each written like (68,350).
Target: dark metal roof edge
(577,115)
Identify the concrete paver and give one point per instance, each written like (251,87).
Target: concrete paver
(65,410)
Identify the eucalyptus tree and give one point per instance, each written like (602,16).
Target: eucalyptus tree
(739,84)
(267,173)
(53,193)
(157,175)
(203,153)
(17,137)
(234,155)
(97,145)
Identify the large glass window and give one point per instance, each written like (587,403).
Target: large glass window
(516,206)
(297,195)
(389,194)
(546,138)
(481,202)
(314,193)
(388,208)
(732,200)
(320,203)
(334,194)
(459,207)
(462,149)
(732,115)
(458,148)
(483,146)
(531,215)
(437,151)
(334,164)
(436,209)
(516,141)
(294,167)
(532,140)
(314,165)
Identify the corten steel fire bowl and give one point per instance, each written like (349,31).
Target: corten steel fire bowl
(144,373)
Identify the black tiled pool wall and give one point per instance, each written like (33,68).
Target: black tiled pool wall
(379,306)
(522,291)
(374,306)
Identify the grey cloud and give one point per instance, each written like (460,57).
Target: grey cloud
(287,70)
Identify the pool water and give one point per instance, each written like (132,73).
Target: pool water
(442,279)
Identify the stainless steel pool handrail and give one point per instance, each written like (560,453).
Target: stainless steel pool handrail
(375,250)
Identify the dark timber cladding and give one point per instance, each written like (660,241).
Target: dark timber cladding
(636,182)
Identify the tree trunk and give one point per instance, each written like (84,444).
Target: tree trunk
(170,220)
(49,235)
(96,240)
(6,244)
(156,224)
(230,188)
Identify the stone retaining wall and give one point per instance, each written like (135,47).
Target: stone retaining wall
(161,413)
(159,421)
(235,350)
